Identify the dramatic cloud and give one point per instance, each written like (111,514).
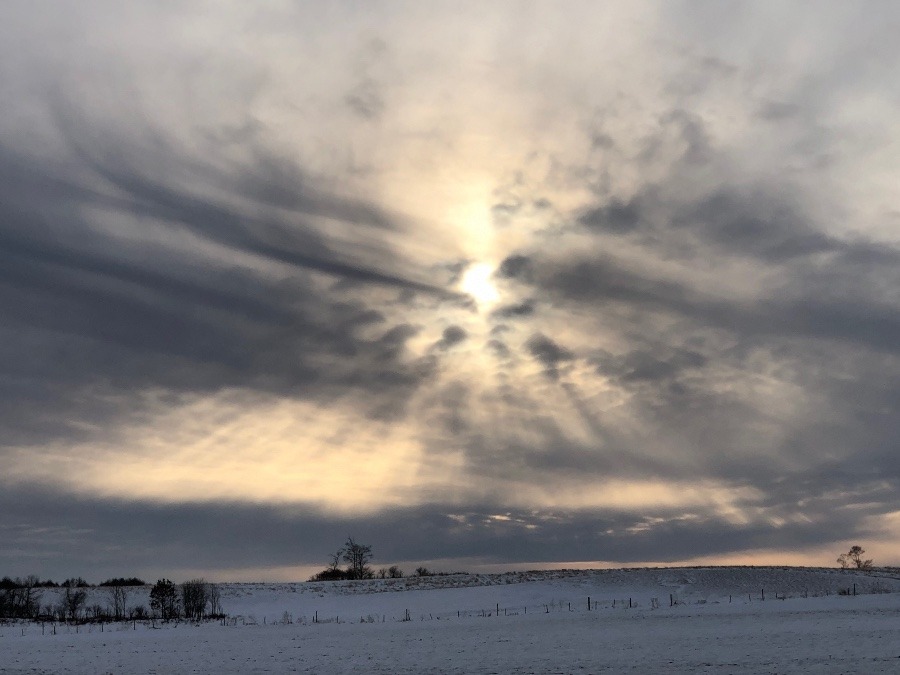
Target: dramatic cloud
(501,284)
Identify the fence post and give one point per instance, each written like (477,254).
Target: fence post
(589,603)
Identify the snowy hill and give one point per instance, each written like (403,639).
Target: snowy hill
(517,590)
(677,620)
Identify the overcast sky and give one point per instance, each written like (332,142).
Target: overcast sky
(479,284)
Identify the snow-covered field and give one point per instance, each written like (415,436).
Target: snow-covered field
(718,623)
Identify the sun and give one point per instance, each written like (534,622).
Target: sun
(476,281)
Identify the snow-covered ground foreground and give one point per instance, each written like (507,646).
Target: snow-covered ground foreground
(719,623)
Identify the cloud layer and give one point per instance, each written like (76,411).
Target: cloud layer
(233,257)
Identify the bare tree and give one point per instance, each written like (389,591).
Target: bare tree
(357,556)
(215,599)
(119,596)
(334,561)
(854,559)
(20,598)
(395,572)
(193,598)
(333,572)
(73,601)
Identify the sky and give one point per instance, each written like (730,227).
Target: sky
(483,285)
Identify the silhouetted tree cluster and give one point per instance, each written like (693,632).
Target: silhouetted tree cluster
(72,603)
(119,596)
(191,602)
(164,600)
(392,572)
(853,559)
(215,600)
(194,596)
(20,598)
(357,557)
(122,581)
(6,583)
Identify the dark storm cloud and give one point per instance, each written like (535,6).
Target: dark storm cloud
(498,348)
(617,216)
(84,307)
(754,223)
(757,225)
(519,309)
(63,535)
(451,336)
(650,366)
(826,317)
(515,267)
(548,352)
(290,241)
(834,298)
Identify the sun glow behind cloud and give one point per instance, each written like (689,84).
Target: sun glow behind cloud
(476,281)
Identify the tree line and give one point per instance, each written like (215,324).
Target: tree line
(22,598)
(194,600)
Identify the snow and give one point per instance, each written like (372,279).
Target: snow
(719,623)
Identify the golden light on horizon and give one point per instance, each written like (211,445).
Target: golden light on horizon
(300,454)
